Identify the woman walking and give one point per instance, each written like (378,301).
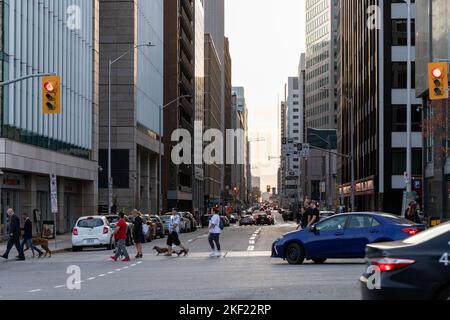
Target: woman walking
(138,234)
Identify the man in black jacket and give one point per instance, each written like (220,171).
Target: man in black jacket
(14,235)
(28,235)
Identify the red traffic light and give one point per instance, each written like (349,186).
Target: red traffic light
(437,72)
(49,86)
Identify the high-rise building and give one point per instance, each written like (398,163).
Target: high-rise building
(199,47)
(321,31)
(49,37)
(433,43)
(179,80)
(136,96)
(212,118)
(228,115)
(372,93)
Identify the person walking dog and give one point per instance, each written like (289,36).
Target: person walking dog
(14,236)
(28,236)
(174,234)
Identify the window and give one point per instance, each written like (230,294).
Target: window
(399,161)
(399,71)
(399,118)
(400,32)
(332,224)
(360,222)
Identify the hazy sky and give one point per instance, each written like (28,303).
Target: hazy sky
(266,39)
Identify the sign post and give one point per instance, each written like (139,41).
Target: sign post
(54,200)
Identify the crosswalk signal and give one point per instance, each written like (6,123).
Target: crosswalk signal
(438,80)
(51,95)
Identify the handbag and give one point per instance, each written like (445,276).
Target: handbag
(145,228)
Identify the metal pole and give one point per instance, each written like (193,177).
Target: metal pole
(38,75)
(109,142)
(408,106)
(352,117)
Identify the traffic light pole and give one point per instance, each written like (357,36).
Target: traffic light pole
(37,75)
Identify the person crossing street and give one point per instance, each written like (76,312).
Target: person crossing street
(174,234)
(14,236)
(214,235)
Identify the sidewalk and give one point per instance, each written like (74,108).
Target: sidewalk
(63,244)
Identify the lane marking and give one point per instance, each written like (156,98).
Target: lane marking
(251,248)
(101,275)
(139,262)
(36,290)
(111,272)
(125,267)
(58,287)
(251,242)
(90,279)
(133,265)
(79,282)
(118,270)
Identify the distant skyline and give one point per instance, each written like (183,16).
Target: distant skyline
(266,40)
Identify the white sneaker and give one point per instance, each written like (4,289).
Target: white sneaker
(218,254)
(213,254)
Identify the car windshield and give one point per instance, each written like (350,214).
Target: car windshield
(112,219)
(429,234)
(90,223)
(396,219)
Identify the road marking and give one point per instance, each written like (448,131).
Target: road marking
(111,272)
(190,240)
(133,265)
(79,282)
(36,290)
(125,267)
(58,287)
(251,248)
(139,262)
(90,279)
(102,275)
(118,270)
(252,242)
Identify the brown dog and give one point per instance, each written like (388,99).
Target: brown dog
(160,250)
(44,244)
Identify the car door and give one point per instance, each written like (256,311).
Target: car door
(359,232)
(325,241)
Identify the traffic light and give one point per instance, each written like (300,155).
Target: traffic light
(51,95)
(438,80)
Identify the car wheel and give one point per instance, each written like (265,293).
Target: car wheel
(444,294)
(295,254)
(319,260)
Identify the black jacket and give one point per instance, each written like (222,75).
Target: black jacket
(28,230)
(14,227)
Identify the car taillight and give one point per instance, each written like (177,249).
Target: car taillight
(105,230)
(391,264)
(75,232)
(411,231)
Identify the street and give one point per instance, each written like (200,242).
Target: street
(245,272)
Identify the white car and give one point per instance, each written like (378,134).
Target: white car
(93,231)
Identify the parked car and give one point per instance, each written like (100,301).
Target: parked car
(151,235)
(233,218)
(415,268)
(113,219)
(287,215)
(326,214)
(160,230)
(166,222)
(247,221)
(192,221)
(93,231)
(342,236)
(264,219)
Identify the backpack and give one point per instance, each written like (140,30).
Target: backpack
(221,224)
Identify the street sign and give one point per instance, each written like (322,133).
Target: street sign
(54,193)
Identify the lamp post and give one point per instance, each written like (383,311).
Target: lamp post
(408,105)
(111,62)
(161,108)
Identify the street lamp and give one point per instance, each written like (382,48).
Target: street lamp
(352,152)
(111,62)
(161,108)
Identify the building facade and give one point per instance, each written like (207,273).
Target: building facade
(136,97)
(433,43)
(373,93)
(228,116)
(321,32)
(51,37)
(179,80)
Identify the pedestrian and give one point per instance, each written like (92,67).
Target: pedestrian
(305,213)
(28,236)
(214,235)
(412,212)
(138,233)
(313,214)
(121,236)
(174,234)
(14,235)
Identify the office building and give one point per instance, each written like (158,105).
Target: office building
(136,97)
(37,37)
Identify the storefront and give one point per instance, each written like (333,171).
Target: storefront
(11,186)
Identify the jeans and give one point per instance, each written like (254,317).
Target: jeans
(214,238)
(30,245)
(121,248)
(14,241)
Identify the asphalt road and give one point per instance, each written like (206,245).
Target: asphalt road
(245,271)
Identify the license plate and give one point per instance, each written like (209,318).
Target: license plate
(90,240)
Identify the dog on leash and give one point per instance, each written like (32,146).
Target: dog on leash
(44,244)
(160,250)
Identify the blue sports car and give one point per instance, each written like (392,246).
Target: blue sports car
(342,236)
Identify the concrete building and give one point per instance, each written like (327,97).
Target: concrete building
(377,84)
(433,43)
(137,94)
(212,117)
(321,32)
(228,116)
(179,80)
(37,37)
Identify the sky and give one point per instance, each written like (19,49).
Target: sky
(266,40)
